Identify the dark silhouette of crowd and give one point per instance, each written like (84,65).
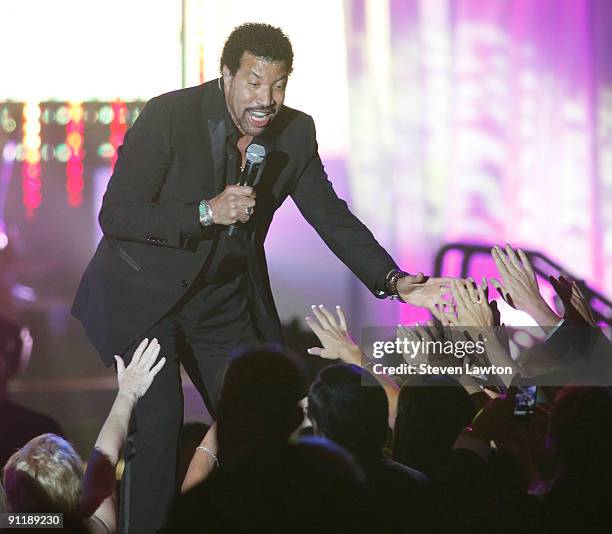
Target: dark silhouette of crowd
(356,450)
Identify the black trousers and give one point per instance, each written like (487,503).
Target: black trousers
(201,334)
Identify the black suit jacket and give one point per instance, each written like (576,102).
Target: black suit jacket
(153,245)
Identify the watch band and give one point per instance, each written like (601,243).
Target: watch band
(391,281)
(206,215)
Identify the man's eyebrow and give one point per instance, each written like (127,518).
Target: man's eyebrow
(283,77)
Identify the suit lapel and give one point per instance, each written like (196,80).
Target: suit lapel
(216,130)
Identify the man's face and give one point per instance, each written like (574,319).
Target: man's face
(255,93)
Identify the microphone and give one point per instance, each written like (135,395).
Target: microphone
(251,172)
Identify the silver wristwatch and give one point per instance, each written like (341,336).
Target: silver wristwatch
(206,214)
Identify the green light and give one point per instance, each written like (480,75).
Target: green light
(62,116)
(62,153)
(106,115)
(46,117)
(106,150)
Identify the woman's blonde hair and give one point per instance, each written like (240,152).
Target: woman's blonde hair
(46,474)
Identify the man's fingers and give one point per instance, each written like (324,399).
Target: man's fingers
(315,351)
(242,190)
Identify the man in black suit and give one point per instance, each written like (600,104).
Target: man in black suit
(166,266)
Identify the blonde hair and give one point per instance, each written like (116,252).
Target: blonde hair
(46,474)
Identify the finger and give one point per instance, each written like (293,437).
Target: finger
(315,351)
(241,190)
(471,291)
(139,350)
(514,261)
(315,326)
(526,263)
(320,317)
(460,294)
(500,261)
(245,202)
(329,316)
(482,297)
(500,288)
(150,355)
(158,366)
(342,318)
(120,365)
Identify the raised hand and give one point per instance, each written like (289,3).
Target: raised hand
(519,286)
(135,379)
(471,304)
(333,334)
(575,306)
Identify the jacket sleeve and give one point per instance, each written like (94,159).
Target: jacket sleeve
(342,232)
(131,209)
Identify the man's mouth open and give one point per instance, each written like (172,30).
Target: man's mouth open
(259,119)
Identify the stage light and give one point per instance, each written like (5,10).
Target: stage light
(74,165)
(30,170)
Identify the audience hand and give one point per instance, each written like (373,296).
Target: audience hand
(137,377)
(471,304)
(575,306)
(520,286)
(333,334)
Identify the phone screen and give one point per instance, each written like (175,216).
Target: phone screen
(525,400)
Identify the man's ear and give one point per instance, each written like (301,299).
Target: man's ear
(227,74)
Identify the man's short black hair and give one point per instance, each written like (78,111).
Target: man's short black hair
(261,40)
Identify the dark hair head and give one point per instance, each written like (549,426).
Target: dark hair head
(580,430)
(310,486)
(350,407)
(261,40)
(431,412)
(259,400)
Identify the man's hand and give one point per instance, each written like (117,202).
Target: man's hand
(520,286)
(234,204)
(422,291)
(333,334)
(134,381)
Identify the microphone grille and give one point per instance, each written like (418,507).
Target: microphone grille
(255,153)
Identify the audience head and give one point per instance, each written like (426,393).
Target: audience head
(45,475)
(431,412)
(580,431)
(347,405)
(310,486)
(259,400)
